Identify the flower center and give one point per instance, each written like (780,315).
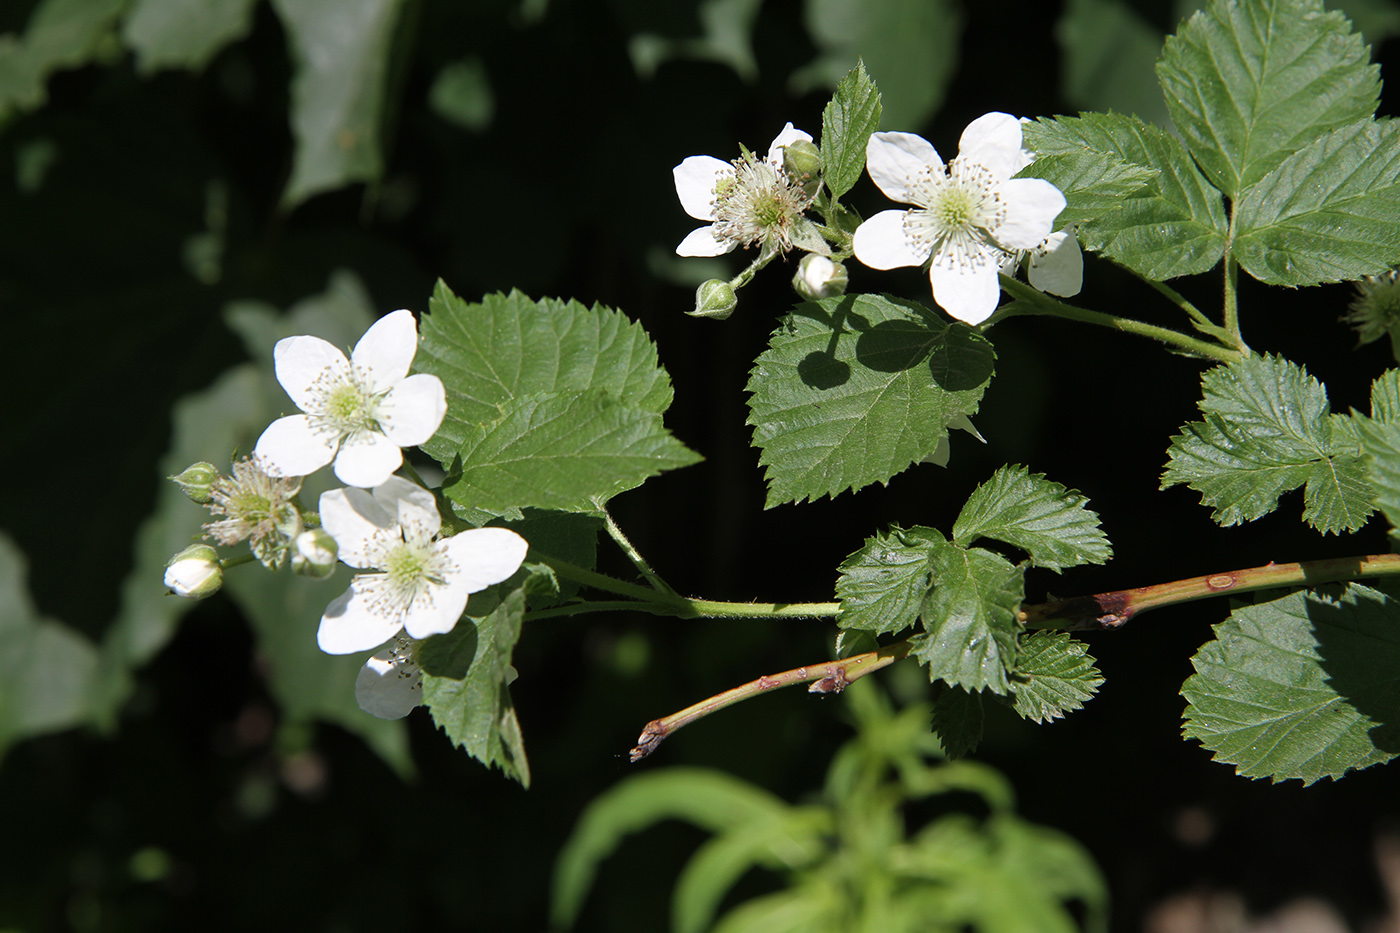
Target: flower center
(962,209)
(343,403)
(413,566)
(759,202)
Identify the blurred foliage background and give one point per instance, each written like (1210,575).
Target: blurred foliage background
(176,173)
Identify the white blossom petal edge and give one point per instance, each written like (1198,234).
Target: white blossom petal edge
(390,685)
(968,213)
(418,583)
(358,412)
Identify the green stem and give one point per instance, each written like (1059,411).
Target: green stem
(609,605)
(1112,610)
(227,562)
(632,553)
(1030,301)
(608,584)
(1232,311)
(711,609)
(830,677)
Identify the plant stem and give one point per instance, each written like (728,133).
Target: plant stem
(830,677)
(610,585)
(1030,301)
(611,605)
(1112,610)
(632,553)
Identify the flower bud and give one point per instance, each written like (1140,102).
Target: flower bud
(194,573)
(714,298)
(819,277)
(196,480)
(803,161)
(1375,311)
(314,554)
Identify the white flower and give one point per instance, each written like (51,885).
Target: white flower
(969,213)
(359,412)
(749,200)
(420,583)
(819,277)
(1056,265)
(390,685)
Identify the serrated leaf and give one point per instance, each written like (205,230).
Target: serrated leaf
(853,390)
(561,451)
(970,618)
(882,586)
(465,673)
(508,346)
(1172,225)
(184,33)
(1042,518)
(341,50)
(1327,212)
(1385,396)
(1055,674)
(847,122)
(957,719)
(1267,431)
(1248,83)
(1307,686)
(1380,445)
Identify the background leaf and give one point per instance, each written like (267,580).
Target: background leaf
(1307,686)
(970,617)
(1055,674)
(882,586)
(847,122)
(853,390)
(957,719)
(184,33)
(1107,55)
(1249,83)
(1042,518)
(59,34)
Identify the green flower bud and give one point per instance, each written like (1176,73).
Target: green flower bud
(314,554)
(196,480)
(714,298)
(803,161)
(194,573)
(1375,312)
(819,277)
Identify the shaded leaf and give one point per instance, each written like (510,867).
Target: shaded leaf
(883,586)
(1307,686)
(184,33)
(853,390)
(1055,674)
(957,719)
(1107,53)
(59,34)
(1042,518)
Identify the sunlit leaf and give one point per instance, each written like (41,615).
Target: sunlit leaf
(1055,674)
(1042,518)
(1307,686)
(970,618)
(847,122)
(882,586)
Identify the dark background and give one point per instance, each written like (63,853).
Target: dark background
(565,194)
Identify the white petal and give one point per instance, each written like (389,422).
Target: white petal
(881,243)
(413,410)
(349,625)
(485,556)
(894,158)
(702,242)
(353,517)
(1032,204)
(787,137)
(994,141)
(300,361)
(407,501)
(440,615)
(967,291)
(696,178)
(386,350)
(367,460)
(385,689)
(290,446)
(1060,269)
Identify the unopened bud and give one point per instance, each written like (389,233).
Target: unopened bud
(194,573)
(196,480)
(314,554)
(803,161)
(819,277)
(715,298)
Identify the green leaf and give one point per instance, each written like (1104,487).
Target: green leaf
(711,800)
(561,451)
(883,586)
(1326,213)
(847,122)
(1249,83)
(465,674)
(47,670)
(853,390)
(1307,686)
(1106,60)
(1173,224)
(1267,431)
(509,346)
(910,46)
(184,33)
(341,51)
(726,38)
(1042,518)
(970,617)
(1055,674)
(957,719)
(1380,442)
(59,34)
(461,94)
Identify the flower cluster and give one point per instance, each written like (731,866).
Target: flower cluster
(357,412)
